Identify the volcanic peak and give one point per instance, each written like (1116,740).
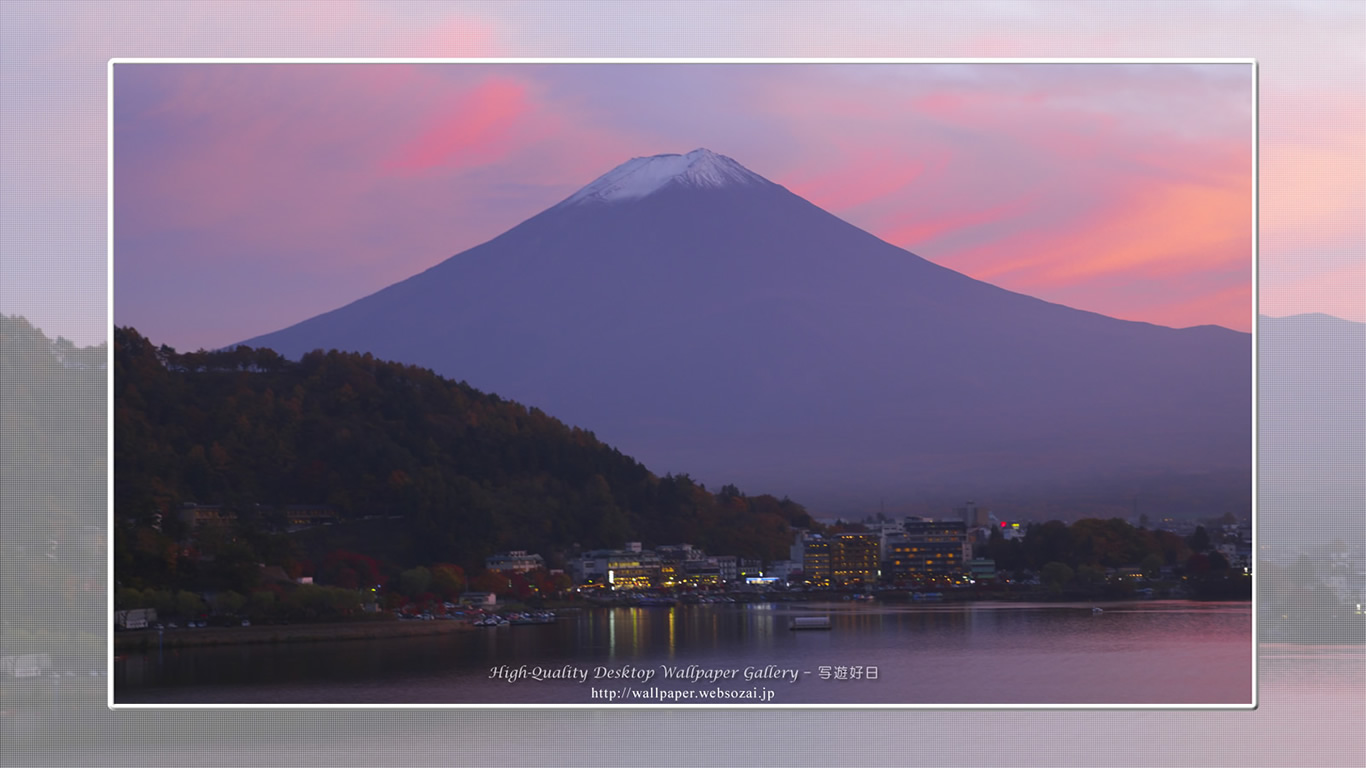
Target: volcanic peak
(642,176)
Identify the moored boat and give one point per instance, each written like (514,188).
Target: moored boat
(810,622)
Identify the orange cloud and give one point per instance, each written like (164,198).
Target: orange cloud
(1163,230)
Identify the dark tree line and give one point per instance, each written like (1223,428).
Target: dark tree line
(53,474)
(456,473)
(1112,543)
(1081,553)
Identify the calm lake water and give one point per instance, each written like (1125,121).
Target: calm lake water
(1154,652)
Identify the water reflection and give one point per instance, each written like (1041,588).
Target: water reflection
(979,653)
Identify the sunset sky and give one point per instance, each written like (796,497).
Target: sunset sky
(250,197)
(914,175)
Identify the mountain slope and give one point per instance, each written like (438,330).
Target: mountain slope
(466,474)
(1311,429)
(709,321)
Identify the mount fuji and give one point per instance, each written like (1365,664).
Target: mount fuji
(708,321)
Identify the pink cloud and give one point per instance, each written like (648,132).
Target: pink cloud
(1054,187)
(865,175)
(924,230)
(1156,231)
(1317,285)
(475,129)
(1313,186)
(333,180)
(453,36)
(356,177)
(1230,306)
(290,154)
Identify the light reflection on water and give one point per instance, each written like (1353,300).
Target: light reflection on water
(1150,652)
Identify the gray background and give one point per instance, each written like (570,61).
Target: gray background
(53,270)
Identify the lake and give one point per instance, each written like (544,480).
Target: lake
(1149,652)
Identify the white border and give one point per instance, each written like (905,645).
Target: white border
(109,207)
(1256,310)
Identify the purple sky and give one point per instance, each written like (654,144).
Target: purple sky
(250,197)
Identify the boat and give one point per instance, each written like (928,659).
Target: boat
(810,622)
(1095,610)
(534,617)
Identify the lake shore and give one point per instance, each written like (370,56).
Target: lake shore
(144,640)
(141,640)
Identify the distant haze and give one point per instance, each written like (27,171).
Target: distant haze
(1311,430)
(711,322)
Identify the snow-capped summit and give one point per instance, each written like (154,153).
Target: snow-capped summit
(642,176)
(703,320)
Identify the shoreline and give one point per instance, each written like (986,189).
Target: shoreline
(146,640)
(143,640)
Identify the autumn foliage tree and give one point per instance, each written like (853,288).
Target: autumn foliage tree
(349,570)
(448,581)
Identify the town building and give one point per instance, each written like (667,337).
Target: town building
(702,572)
(677,553)
(1011,530)
(673,560)
(728,566)
(628,568)
(854,559)
(973,516)
(213,515)
(796,550)
(840,561)
(928,550)
(516,561)
(783,569)
(816,560)
(297,517)
(749,569)
(290,517)
(982,569)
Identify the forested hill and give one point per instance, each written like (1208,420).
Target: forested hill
(53,479)
(52,417)
(461,474)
